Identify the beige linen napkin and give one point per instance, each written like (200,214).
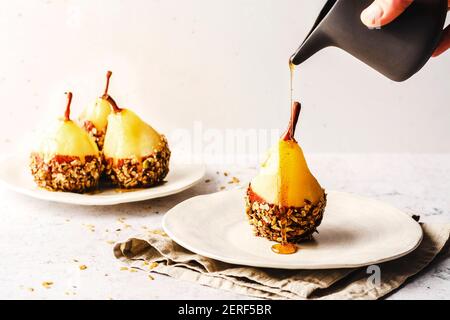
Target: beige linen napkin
(158,253)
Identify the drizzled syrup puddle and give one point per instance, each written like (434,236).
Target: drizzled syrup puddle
(286,248)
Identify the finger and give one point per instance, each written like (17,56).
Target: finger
(444,44)
(381,12)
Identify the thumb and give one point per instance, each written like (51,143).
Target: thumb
(381,12)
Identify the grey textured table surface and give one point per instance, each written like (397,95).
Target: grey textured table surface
(48,242)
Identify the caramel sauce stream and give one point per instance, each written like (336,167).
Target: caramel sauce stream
(291,86)
(285,247)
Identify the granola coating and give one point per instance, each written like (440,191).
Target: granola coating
(140,173)
(65,173)
(301,222)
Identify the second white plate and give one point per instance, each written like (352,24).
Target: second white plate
(14,173)
(355,231)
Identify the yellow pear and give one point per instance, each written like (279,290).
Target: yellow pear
(94,117)
(67,158)
(285,202)
(284,178)
(136,155)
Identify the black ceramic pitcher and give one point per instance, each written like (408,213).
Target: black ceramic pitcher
(397,50)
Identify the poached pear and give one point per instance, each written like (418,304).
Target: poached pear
(135,154)
(94,118)
(285,202)
(67,158)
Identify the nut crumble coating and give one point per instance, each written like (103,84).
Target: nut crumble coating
(301,222)
(140,173)
(65,173)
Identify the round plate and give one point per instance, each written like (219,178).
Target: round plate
(14,173)
(355,231)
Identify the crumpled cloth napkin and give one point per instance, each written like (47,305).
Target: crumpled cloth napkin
(156,252)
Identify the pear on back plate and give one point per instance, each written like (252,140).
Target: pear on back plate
(94,117)
(67,158)
(135,154)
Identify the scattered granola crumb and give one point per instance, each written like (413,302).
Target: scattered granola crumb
(222,188)
(160,232)
(123,268)
(31,289)
(150,277)
(47,284)
(75,260)
(225,174)
(91,227)
(207,181)
(234,180)
(153,265)
(110,242)
(83,267)
(133,270)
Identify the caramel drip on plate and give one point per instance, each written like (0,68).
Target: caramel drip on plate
(287,248)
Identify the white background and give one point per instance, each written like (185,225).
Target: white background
(223,62)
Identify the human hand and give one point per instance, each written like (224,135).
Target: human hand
(382,12)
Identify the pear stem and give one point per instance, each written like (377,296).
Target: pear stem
(69,101)
(108,77)
(295,112)
(113,104)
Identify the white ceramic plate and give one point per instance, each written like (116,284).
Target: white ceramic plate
(355,231)
(14,173)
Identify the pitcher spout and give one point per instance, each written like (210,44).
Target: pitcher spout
(308,48)
(316,39)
